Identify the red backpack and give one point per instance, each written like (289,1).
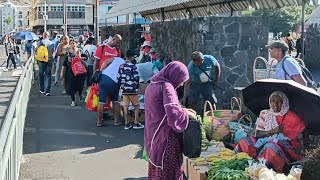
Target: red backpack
(77,67)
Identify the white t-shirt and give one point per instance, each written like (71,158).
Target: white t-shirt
(91,49)
(113,69)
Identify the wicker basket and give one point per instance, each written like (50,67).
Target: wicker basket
(217,121)
(260,73)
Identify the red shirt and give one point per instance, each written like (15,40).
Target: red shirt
(108,52)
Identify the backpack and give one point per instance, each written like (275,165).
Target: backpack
(42,53)
(77,67)
(305,73)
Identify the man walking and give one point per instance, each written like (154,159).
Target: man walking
(204,72)
(287,67)
(45,67)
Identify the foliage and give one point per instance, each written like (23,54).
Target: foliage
(284,19)
(8,20)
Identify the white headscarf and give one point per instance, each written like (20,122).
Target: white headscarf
(267,119)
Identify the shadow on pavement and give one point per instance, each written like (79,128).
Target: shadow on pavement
(53,125)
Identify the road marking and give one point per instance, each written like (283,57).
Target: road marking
(66,132)
(51,106)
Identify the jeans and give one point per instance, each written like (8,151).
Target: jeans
(59,64)
(11,57)
(45,71)
(205,89)
(18,60)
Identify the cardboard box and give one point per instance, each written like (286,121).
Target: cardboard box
(197,172)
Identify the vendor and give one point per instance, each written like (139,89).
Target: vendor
(276,134)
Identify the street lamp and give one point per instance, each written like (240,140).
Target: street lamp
(45,16)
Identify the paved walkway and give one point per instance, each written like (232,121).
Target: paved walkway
(62,143)
(8,83)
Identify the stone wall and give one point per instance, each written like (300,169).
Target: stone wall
(234,41)
(312,43)
(130,35)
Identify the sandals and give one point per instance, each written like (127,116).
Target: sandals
(118,123)
(99,124)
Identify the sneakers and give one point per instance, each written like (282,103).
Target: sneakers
(138,126)
(6,70)
(42,92)
(128,126)
(48,94)
(73,104)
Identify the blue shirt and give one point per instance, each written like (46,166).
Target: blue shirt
(290,65)
(197,75)
(28,47)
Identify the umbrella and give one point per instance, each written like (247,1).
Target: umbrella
(26,35)
(303,101)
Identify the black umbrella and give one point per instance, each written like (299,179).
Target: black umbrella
(303,100)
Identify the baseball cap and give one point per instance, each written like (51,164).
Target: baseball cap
(278,44)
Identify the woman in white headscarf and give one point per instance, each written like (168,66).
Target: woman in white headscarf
(276,134)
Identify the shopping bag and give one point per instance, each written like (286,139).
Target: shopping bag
(93,99)
(144,155)
(77,67)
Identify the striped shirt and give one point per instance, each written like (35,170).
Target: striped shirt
(128,78)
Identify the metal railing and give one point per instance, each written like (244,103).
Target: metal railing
(11,132)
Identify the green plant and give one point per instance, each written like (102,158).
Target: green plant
(8,20)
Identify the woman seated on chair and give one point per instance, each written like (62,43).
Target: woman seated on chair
(276,134)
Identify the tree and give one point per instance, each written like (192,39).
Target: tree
(8,20)
(284,19)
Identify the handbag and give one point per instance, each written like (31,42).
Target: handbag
(77,67)
(192,139)
(96,76)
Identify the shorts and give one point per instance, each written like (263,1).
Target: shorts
(108,88)
(205,89)
(134,99)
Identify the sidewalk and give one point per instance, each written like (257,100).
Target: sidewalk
(62,142)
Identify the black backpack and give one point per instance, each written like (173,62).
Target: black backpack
(192,139)
(305,73)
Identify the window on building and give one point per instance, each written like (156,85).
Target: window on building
(59,8)
(20,14)
(109,8)
(74,8)
(82,9)
(69,8)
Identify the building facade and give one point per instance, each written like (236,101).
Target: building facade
(80,18)
(13,18)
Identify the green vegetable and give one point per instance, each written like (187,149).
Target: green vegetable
(228,170)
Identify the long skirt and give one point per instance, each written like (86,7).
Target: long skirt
(172,163)
(276,154)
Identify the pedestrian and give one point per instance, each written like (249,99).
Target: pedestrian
(287,67)
(89,49)
(106,51)
(17,54)
(6,41)
(128,79)
(204,71)
(288,39)
(145,52)
(165,120)
(10,49)
(61,55)
(73,84)
(81,42)
(55,39)
(298,47)
(109,87)
(45,67)
(29,48)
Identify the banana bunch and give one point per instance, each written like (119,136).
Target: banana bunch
(200,161)
(204,147)
(243,155)
(213,158)
(227,154)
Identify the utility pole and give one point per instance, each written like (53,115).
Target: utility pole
(65,17)
(96,19)
(45,16)
(302,30)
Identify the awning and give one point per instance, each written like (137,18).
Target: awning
(314,18)
(151,9)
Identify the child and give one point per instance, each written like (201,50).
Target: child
(128,79)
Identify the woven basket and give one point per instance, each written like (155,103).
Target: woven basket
(240,124)
(260,73)
(217,121)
